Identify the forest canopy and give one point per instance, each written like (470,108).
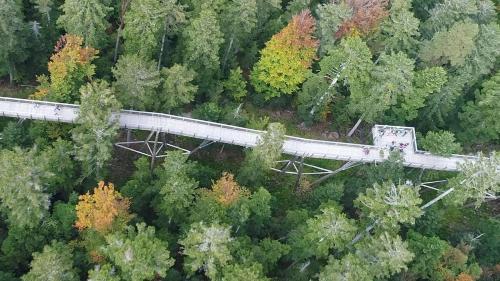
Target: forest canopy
(76,202)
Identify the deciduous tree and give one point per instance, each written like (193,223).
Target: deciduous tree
(69,68)
(366,16)
(235,86)
(285,60)
(86,18)
(139,255)
(102,210)
(206,247)
(96,127)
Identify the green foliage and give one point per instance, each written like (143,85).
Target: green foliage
(144,23)
(87,19)
(177,87)
(134,188)
(330,230)
(13,135)
(94,135)
(428,252)
(206,247)
(285,60)
(103,273)
(22,187)
(399,32)
(349,268)
(391,204)
(331,16)
(54,263)
(441,143)
(262,157)
(59,160)
(479,118)
(452,46)
(137,80)
(12,28)
(477,180)
(138,254)
(243,272)
(176,186)
(203,40)
(235,86)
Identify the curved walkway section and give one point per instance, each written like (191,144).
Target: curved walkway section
(60,112)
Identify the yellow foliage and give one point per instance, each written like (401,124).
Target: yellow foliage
(227,191)
(101,209)
(464,277)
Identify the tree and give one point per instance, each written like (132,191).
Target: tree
(137,80)
(390,204)
(138,254)
(227,191)
(146,22)
(238,24)
(23,177)
(177,188)
(87,19)
(58,158)
(11,31)
(96,126)
(285,60)
(239,272)
(349,268)
(203,39)
(103,210)
(479,117)
(385,255)
(477,181)
(44,7)
(392,80)
(177,87)
(349,62)
(399,31)
(235,86)
(446,13)
(54,263)
(366,15)
(329,230)
(103,273)
(441,143)
(69,68)
(264,155)
(452,45)
(331,16)
(206,248)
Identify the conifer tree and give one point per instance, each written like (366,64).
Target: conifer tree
(11,31)
(86,18)
(287,57)
(54,263)
(177,88)
(96,128)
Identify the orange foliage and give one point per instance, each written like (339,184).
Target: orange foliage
(69,62)
(367,14)
(101,209)
(227,191)
(464,277)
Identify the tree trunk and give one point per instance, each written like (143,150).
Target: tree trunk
(117,43)
(48,18)
(224,61)
(355,126)
(334,81)
(162,44)
(11,74)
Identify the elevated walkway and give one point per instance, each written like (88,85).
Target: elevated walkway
(206,130)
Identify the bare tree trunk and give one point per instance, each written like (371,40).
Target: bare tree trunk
(334,81)
(227,52)
(162,44)
(11,74)
(48,18)
(117,43)
(355,126)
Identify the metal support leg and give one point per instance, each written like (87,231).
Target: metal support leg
(154,154)
(203,144)
(288,163)
(299,173)
(344,167)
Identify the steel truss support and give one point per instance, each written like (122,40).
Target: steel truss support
(202,145)
(296,166)
(152,147)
